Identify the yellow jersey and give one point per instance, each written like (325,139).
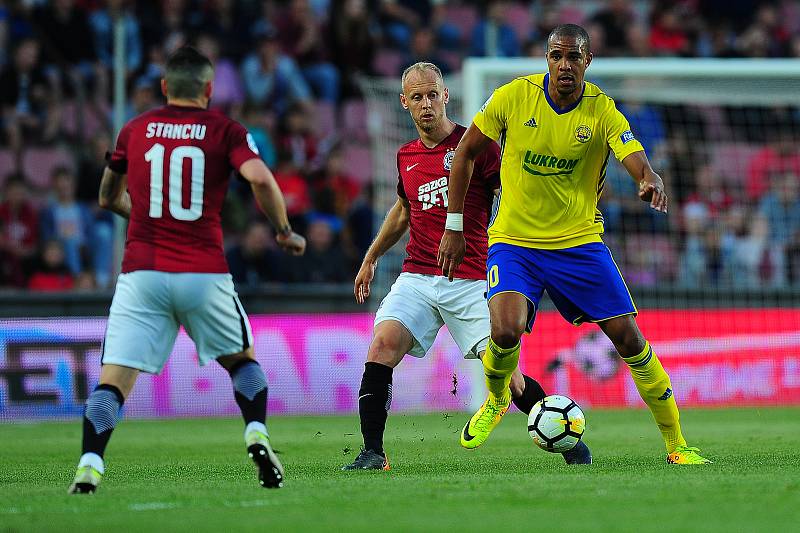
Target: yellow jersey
(553,162)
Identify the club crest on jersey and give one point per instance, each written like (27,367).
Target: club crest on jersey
(583,133)
(448,158)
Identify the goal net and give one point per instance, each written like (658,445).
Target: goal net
(717,280)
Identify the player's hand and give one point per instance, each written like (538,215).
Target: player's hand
(651,189)
(292,243)
(364,277)
(451,252)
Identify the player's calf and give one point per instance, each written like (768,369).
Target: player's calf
(99,419)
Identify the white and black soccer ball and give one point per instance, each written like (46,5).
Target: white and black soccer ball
(556,424)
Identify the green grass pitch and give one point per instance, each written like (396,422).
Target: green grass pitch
(193,475)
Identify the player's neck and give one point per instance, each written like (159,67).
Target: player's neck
(202,103)
(564,100)
(432,139)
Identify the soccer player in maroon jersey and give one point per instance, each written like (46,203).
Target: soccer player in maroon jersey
(421,301)
(168,176)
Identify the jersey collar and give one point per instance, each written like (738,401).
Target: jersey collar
(561,110)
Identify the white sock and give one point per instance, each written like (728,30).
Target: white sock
(256,426)
(93,460)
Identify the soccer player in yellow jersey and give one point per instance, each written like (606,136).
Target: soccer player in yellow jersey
(556,133)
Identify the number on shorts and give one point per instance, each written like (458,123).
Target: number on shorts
(494,277)
(155,156)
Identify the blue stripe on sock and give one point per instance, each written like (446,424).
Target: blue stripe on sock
(643,361)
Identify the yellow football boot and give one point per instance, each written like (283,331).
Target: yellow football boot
(477,430)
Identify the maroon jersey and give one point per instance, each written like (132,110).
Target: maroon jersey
(178,161)
(423,174)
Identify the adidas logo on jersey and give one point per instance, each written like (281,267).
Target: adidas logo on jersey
(531,123)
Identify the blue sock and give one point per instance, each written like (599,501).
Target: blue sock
(250,390)
(100,417)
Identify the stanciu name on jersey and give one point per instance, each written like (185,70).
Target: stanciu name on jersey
(165,130)
(430,193)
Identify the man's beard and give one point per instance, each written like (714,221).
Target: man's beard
(428,127)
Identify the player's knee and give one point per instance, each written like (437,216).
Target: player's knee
(386,349)
(507,335)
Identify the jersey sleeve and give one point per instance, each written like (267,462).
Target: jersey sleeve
(488,166)
(401,191)
(492,116)
(619,135)
(118,162)
(242,147)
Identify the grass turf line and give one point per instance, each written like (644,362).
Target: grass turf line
(193,474)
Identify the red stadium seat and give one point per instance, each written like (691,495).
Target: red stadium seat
(325,119)
(518,16)
(38,163)
(354,120)
(463,16)
(732,159)
(387,62)
(359,162)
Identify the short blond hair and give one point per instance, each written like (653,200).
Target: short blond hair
(421,66)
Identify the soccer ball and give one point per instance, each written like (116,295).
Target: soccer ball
(556,424)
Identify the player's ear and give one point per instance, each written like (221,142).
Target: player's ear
(208,89)
(446,95)
(589,57)
(164,86)
(403,101)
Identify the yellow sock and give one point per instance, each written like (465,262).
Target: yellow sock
(654,387)
(498,365)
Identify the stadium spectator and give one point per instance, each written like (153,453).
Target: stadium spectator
(780,207)
(50,272)
(29,108)
(335,191)
(102,24)
(615,19)
(324,261)
(748,259)
(255,260)
(72,224)
(354,37)
(303,38)
(668,35)
(91,163)
(272,78)
(297,138)
(780,156)
(401,17)
(295,190)
(646,122)
(257,124)
(143,97)
(228,90)
(19,231)
(766,36)
(64,31)
(226,21)
(423,49)
(493,36)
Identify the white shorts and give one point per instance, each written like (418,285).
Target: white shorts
(423,303)
(149,307)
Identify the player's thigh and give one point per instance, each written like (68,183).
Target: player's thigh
(585,284)
(462,304)
(513,279)
(209,308)
(391,341)
(412,301)
(141,327)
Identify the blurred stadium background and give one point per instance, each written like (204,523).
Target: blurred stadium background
(711,88)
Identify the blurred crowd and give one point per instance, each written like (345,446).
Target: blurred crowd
(289,71)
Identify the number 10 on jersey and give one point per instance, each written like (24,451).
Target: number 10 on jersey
(155,156)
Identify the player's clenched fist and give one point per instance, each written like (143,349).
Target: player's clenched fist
(363,279)
(291,243)
(451,252)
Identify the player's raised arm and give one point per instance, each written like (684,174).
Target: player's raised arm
(270,200)
(651,186)
(113,193)
(394,226)
(453,246)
